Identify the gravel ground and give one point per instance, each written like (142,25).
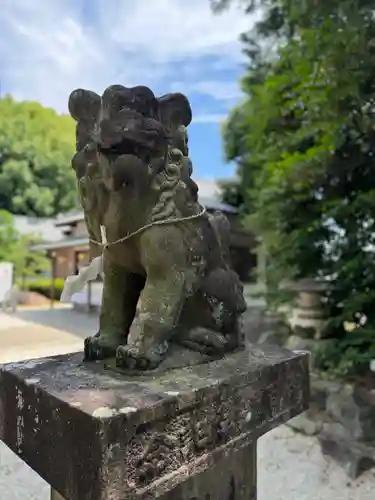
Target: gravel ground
(290,466)
(18,481)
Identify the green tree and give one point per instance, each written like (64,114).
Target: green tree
(36,146)
(305,141)
(15,248)
(8,236)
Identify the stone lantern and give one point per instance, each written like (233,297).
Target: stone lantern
(308,314)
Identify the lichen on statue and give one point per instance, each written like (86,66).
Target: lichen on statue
(167,277)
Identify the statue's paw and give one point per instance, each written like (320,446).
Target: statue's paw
(205,341)
(99,347)
(129,357)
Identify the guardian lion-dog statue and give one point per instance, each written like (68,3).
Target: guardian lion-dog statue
(167,276)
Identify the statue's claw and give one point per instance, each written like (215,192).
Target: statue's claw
(99,347)
(129,357)
(205,341)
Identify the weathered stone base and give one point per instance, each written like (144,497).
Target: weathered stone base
(186,434)
(233,478)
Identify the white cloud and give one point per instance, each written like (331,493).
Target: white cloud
(166,30)
(49,48)
(220,90)
(209,118)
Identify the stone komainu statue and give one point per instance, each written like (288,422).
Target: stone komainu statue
(167,277)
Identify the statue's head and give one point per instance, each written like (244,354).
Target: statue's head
(128,132)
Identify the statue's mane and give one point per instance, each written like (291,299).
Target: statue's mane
(167,182)
(173,177)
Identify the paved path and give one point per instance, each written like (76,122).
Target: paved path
(290,466)
(33,333)
(43,332)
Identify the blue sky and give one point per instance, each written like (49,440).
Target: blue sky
(50,47)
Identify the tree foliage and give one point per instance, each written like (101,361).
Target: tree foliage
(15,248)
(305,142)
(36,146)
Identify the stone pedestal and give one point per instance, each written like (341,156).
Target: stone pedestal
(186,434)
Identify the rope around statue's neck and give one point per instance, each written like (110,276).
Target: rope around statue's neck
(105,244)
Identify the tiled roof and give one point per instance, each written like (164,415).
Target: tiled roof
(216,204)
(44,227)
(64,243)
(67,219)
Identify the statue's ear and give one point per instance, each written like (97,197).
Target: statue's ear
(174,110)
(84,105)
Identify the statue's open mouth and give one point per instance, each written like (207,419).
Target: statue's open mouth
(143,144)
(124,147)
(130,133)
(131,147)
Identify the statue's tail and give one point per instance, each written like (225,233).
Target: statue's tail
(223,283)
(225,286)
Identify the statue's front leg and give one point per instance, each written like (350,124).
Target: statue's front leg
(121,291)
(159,307)
(157,313)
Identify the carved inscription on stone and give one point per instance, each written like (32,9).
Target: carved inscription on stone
(166,446)
(160,449)
(163,447)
